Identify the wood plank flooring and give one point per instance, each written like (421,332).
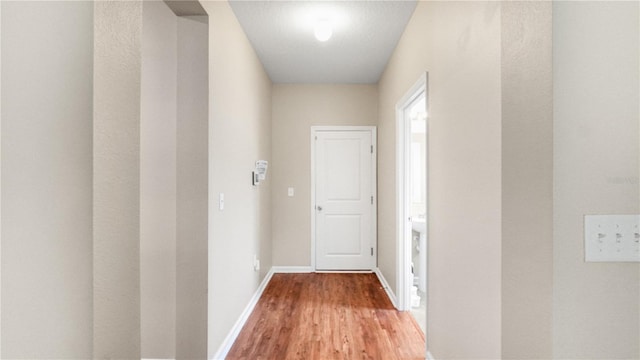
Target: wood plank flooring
(325,317)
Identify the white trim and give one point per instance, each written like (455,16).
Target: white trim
(403,246)
(430,356)
(343,271)
(401,275)
(157,359)
(402,185)
(342,128)
(292,269)
(374,186)
(386,287)
(226,345)
(312,163)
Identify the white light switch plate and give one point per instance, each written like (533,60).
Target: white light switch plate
(290,191)
(612,238)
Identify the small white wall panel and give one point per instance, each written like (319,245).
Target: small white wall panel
(612,238)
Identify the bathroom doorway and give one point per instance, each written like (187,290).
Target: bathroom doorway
(411,113)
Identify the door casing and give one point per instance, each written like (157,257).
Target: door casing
(374,235)
(403,225)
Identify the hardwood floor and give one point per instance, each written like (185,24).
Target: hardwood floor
(327,316)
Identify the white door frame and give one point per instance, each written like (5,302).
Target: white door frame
(403,225)
(374,218)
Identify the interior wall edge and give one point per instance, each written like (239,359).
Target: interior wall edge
(116,181)
(527,180)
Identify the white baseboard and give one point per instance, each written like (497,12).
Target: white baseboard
(386,287)
(429,356)
(226,345)
(292,269)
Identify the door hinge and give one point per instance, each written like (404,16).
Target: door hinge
(372,149)
(316,138)
(372,251)
(371,199)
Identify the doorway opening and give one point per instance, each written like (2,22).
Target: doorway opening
(411,195)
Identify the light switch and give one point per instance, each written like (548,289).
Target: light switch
(256,263)
(612,238)
(221,202)
(290,192)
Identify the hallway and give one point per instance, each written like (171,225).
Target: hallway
(131,226)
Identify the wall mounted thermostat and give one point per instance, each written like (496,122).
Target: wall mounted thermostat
(260,172)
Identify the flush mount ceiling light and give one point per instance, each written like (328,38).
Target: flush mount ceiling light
(323,30)
(323,18)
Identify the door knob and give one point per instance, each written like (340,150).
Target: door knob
(319,208)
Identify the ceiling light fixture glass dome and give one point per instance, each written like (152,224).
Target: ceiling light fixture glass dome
(323,30)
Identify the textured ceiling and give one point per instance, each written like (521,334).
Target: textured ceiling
(364,36)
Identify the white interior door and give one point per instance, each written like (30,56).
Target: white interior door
(344,200)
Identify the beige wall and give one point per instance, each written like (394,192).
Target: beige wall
(527,180)
(158,199)
(458,43)
(596,102)
(192,165)
(239,134)
(116,180)
(173,184)
(46,179)
(105,310)
(295,109)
